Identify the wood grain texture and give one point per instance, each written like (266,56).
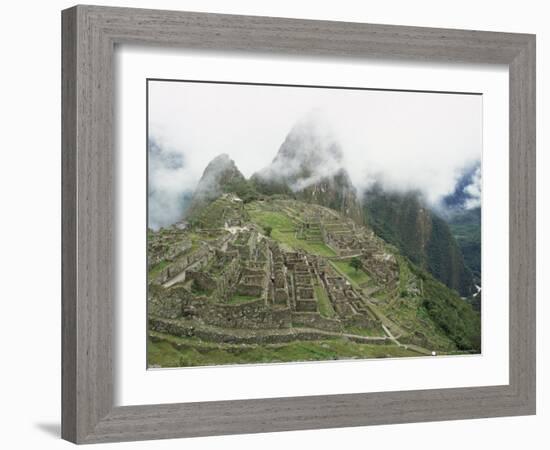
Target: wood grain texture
(89,36)
(68,225)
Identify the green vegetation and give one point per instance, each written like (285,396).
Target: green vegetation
(284,231)
(355,263)
(453,315)
(270,187)
(157,269)
(215,213)
(238,299)
(445,260)
(355,276)
(466,228)
(198,290)
(242,188)
(403,220)
(405,276)
(375,330)
(325,307)
(417,309)
(169,351)
(274,219)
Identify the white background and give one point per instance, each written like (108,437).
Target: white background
(30,229)
(135,386)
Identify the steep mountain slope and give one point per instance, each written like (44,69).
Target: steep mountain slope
(220,176)
(309,166)
(466,228)
(462,210)
(405,221)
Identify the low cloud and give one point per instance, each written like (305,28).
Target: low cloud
(168,187)
(401,140)
(473,191)
(309,153)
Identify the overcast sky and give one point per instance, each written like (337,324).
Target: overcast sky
(403,139)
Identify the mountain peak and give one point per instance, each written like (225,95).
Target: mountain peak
(221,175)
(220,163)
(308,153)
(310,166)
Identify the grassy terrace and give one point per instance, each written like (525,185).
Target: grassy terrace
(283,230)
(375,330)
(170,351)
(325,307)
(356,277)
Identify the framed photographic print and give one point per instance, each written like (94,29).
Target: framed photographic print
(279,224)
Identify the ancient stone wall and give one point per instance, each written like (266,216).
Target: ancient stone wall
(383,267)
(197,259)
(306,304)
(315,320)
(360,320)
(251,315)
(251,290)
(166,247)
(202,280)
(281,296)
(177,302)
(185,329)
(166,303)
(226,281)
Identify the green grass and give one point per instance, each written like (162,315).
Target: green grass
(157,269)
(375,330)
(404,274)
(317,248)
(275,220)
(409,321)
(169,351)
(283,231)
(238,299)
(325,307)
(356,277)
(392,326)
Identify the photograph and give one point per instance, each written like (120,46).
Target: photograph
(269,225)
(306,223)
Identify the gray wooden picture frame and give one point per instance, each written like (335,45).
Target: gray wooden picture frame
(90,34)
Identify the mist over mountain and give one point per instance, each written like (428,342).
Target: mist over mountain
(167,196)
(310,166)
(308,154)
(466,194)
(462,210)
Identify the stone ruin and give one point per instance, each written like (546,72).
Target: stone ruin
(234,277)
